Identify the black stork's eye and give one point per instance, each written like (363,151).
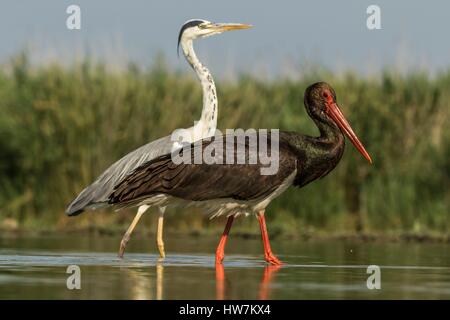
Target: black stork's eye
(325,95)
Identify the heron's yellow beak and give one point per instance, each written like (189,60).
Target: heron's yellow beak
(221,27)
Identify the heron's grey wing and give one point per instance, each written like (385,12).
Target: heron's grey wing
(199,182)
(96,194)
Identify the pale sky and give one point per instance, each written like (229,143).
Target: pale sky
(286,34)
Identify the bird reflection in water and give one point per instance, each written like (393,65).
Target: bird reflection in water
(159,279)
(264,288)
(141,287)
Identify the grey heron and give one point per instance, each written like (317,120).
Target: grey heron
(240,188)
(96,195)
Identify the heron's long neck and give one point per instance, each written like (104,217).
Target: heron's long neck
(208,119)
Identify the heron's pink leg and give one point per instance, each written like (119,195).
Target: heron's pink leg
(268,255)
(220,251)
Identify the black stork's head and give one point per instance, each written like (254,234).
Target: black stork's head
(321,104)
(199,28)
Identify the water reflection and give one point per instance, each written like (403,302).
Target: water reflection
(148,283)
(141,284)
(220,282)
(159,279)
(36,269)
(264,287)
(267,278)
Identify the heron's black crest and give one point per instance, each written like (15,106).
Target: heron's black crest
(188,24)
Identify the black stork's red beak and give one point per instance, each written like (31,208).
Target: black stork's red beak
(335,113)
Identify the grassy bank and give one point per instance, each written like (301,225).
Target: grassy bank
(62,126)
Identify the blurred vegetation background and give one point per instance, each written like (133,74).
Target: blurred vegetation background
(60,127)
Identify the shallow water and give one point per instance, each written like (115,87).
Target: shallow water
(35,268)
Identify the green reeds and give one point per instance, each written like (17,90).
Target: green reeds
(60,127)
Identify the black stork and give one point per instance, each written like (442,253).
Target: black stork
(234,189)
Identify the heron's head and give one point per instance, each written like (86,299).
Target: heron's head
(198,28)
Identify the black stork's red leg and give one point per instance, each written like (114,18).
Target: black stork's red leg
(220,251)
(268,255)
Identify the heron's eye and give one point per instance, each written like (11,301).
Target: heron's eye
(202,25)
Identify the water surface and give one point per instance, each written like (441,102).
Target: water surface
(35,268)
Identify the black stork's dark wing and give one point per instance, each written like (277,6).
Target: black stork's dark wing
(199,182)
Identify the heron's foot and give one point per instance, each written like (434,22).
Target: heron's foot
(162,253)
(272,259)
(123,244)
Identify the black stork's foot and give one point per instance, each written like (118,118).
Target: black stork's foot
(268,255)
(220,255)
(272,259)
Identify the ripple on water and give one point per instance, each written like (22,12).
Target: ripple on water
(9,259)
(49,259)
